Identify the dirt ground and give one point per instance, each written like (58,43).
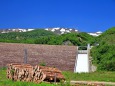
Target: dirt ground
(92,83)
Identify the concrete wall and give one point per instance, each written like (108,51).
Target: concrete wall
(82,63)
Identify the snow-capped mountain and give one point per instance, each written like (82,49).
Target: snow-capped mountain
(56,30)
(14,30)
(96,33)
(59,30)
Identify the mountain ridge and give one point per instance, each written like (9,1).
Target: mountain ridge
(57,30)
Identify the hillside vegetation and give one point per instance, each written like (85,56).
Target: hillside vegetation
(41,36)
(80,39)
(24,37)
(104,54)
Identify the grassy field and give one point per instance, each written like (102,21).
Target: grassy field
(96,76)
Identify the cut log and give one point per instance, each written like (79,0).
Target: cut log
(51,73)
(37,74)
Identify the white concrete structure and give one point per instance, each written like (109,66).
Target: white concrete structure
(82,63)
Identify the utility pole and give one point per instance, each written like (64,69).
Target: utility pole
(55,78)
(25,56)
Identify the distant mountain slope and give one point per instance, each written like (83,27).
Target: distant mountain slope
(30,34)
(57,30)
(24,36)
(41,36)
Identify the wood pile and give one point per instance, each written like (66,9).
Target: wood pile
(51,74)
(21,72)
(37,74)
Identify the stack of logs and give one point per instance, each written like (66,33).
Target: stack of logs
(37,74)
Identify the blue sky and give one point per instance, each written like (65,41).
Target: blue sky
(84,15)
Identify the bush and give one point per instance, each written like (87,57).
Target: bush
(42,64)
(104,54)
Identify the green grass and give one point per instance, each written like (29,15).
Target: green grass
(106,76)
(18,83)
(96,76)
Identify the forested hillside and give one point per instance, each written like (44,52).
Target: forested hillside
(24,37)
(41,36)
(104,54)
(80,39)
